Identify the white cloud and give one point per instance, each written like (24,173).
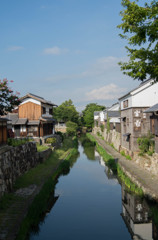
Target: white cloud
(55,51)
(102,65)
(108,92)
(15,48)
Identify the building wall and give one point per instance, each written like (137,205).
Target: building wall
(142,99)
(3,134)
(30,110)
(112,137)
(135,122)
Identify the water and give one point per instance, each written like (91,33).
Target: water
(89,204)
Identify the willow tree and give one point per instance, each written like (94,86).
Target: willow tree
(140,29)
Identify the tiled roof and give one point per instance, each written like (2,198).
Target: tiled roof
(13,117)
(21,121)
(36,122)
(42,100)
(152,109)
(113,113)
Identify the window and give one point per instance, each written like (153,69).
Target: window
(44,110)
(125,104)
(50,111)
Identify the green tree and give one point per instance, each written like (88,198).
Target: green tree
(88,114)
(66,112)
(8,100)
(71,128)
(140,29)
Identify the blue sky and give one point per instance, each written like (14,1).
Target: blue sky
(64,49)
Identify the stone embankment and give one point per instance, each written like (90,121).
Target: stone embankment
(142,177)
(15,161)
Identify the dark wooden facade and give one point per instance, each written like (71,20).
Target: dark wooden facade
(3,131)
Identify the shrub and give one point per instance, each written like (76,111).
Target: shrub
(51,141)
(17,142)
(123,153)
(102,127)
(146,144)
(128,157)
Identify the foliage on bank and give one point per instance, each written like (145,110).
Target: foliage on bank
(17,142)
(146,144)
(40,203)
(110,162)
(129,184)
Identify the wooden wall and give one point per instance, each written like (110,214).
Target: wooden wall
(30,110)
(3,134)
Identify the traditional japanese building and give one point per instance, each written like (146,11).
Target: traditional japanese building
(134,121)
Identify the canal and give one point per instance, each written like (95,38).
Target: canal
(89,203)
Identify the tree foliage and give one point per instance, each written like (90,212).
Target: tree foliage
(8,100)
(140,29)
(88,113)
(71,128)
(66,112)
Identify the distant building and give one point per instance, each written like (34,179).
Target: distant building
(113,113)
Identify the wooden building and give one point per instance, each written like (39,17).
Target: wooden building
(34,117)
(3,130)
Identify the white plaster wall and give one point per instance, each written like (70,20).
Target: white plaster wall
(142,87)
(102,116)
(114,107)
(146,98)
(22,128)
(96,117)
(31,100)
(114,120)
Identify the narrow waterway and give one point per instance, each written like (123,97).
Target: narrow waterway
(89,204)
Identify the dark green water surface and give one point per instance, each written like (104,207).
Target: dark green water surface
(91,205)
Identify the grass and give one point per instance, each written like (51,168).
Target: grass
(110,162)
(42,171)
(126,156)
(38,174)
(7,200)
(127,181)
(41,148)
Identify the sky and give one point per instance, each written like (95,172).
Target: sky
(64,49)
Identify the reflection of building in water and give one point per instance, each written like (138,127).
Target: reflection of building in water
(97,156)
(109,173)
(135,213)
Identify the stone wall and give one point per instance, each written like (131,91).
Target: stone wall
(150,163)
(112,137)
(15,161)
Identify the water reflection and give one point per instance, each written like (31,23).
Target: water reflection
(136,214)
(90,205)
(109,173)
(89,148)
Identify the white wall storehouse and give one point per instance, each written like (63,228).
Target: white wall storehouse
(134,122)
